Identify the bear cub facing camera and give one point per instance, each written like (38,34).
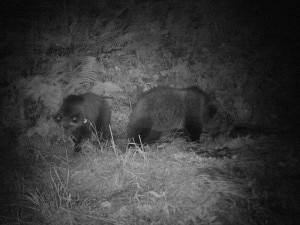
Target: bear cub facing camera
(79,112)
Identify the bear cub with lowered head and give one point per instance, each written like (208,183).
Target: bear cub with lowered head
(165,109)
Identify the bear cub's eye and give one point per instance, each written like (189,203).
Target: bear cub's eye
(57,118)
(74,119)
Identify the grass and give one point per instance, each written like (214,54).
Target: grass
(219,45)
(161,184)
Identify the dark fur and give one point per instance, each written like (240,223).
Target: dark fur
(165,109)
(244,130)
(78,112)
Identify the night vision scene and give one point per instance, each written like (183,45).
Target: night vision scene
(140,112)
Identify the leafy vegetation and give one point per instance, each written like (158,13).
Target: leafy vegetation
(118,49)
